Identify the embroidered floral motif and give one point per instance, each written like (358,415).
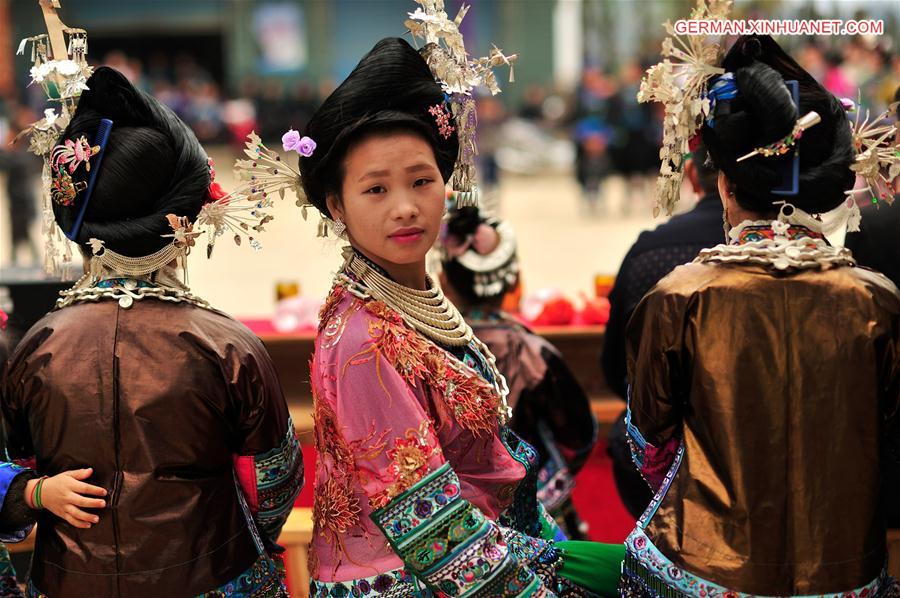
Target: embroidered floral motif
(331,303)
(450,543)
(472,400)
(279,479)
(328,439)
(336,506)
(753,233)
(264,579)
(409,462)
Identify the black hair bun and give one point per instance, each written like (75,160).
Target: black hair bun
(464,222)
(390,89)
(152,166)
(112,94)
(762,113)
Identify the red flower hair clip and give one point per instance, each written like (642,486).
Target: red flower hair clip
(214,192)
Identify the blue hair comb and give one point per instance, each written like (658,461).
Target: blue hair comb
(100,139)
(789,183)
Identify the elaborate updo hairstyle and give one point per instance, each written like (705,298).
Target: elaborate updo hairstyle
(390,90)
(152,166)
(485,287)
(763,112)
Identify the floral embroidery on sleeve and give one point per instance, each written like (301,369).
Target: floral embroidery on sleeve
(408,462)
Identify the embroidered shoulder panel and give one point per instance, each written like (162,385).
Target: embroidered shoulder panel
(472,399)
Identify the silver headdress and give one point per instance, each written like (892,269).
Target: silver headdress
(494,271)
(679,82)
(59,66)
(877,155)
(445,53)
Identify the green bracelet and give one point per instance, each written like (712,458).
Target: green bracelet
(37,494)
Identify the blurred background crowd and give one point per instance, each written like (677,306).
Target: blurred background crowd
(571,119)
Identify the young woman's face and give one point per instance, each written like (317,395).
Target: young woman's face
(392,199)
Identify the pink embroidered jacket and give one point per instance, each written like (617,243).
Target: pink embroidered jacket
(391,408)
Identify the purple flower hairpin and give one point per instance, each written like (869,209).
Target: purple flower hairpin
(292,141)
(442,120)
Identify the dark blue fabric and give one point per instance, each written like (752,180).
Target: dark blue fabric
(8,473)
(653,256)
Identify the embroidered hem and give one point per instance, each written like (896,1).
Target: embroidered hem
(391,584)
(648,573)
(263,579)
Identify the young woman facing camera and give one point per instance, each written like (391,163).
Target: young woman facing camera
(421,487)
(391,202)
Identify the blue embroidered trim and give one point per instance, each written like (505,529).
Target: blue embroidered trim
(279,479)
(111,283)
(648,572)
(263,578)
(391,584)
(663,489)
(9,586)
(523,514)
(636,440)
(449,542)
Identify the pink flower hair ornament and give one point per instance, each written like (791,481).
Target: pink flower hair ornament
(74,153)
(65,159)
(442,120)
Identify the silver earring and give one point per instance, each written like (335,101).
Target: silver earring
(339,228)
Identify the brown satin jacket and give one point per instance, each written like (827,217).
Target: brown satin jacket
(158,399)
(783,391)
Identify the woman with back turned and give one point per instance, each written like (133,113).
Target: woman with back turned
(175,405)
(765,376)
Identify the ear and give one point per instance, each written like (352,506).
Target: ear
(726,189)
(334,206)
(690,171)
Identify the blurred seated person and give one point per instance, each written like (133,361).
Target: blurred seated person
(550,409)
(652,257)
